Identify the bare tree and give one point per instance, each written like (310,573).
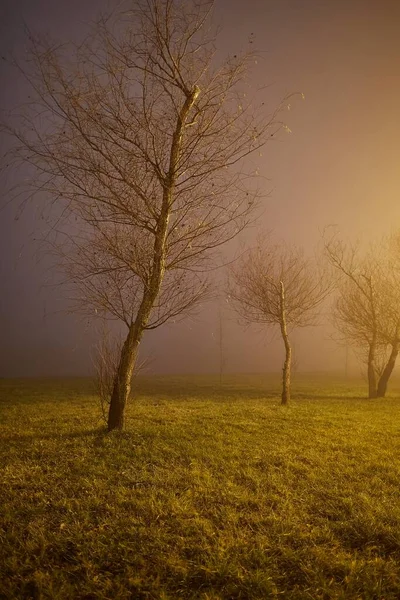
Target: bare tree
(277,285)
(137,139)
(367,307)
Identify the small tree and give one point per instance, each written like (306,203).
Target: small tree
(137,139)
(277,285)
(367,306)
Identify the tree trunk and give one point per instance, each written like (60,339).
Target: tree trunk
(122,380)
(387,371)
(288,350)
(371,370)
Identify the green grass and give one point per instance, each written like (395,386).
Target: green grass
(211,492)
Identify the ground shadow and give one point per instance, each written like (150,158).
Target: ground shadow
(95,433)
(319,396)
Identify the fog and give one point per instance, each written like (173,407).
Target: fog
(339,165)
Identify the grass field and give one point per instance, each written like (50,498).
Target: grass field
(211,492)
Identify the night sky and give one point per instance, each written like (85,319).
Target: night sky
(340,165)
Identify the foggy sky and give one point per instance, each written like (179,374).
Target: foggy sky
(340,165)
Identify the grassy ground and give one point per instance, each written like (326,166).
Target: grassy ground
(212,492)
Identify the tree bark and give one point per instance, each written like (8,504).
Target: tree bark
(288,350)
(387,371)
(123,376)
(122,381)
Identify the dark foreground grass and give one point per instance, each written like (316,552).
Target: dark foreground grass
(211,493)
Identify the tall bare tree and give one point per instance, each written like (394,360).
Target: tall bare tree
(277,285)
(367,306)
(137,140)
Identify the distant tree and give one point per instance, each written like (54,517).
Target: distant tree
(277,285)
(367,306)
(137,141)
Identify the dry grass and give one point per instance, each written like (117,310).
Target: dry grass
(212,492)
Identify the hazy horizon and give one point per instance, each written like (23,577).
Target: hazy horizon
(338,166)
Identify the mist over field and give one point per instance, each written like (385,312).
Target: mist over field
(338,166)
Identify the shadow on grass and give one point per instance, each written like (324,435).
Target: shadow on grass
(232,393)
(194,392)
(34,391)
(98,434)
(321,396)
